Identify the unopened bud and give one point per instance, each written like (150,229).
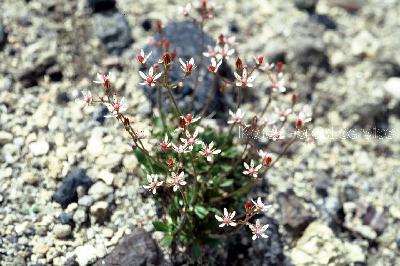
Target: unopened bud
(260,59)
(239,63)
(247,206)
(279,66)
(159,26)
(294,99)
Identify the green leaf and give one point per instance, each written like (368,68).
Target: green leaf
(200,211)
(160,226)
(167,240)
(227,183)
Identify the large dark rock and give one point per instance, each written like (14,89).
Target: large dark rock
(295,216)
(3,36)
(185,38)
(114,31)
(101,5)
(137,248)
(30,73)
(67,193)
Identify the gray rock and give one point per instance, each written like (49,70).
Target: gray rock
(86,201)
(62,231)
(137,248)
(10,152)
(185,39)
(113,30)
(80,216)
(67,192)
(392,86)
(5,84)
(295,217)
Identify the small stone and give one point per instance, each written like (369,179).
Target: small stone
(3,36)
(394,211)
(29,178)
(10,152)
(354,253)
(80,216)
(62,98)
(107,177)
(5,84)
(40,249)
(322,184)
(137,248)
(100,211)
(66,218)
(39,148)
(5,137)
(350,193)
(85,254)
(307,5)
(86,201)
(392,86)
(62,231)
(146,24)
(67,192)
(100,190)
(130,162)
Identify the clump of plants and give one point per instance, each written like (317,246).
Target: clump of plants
(201,175)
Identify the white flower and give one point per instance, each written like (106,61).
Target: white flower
(279,85)
(304,116)
(191,140)
(266,158)
(213,67)
(142,58)
(187,66)
(244,80)
(259,205)
(236,118)
(116,107)
(180,149)
(165,145)
(153,183)
(104,80)
(258,230)
(176,180)
(211,51)
(150,79)
(251,170)
(227,219)
(86,100)
(185,10)
(224,52)
(209,151)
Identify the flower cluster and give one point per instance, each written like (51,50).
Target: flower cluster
(257,229)
(197,169)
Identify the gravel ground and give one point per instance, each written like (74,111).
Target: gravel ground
(345,63)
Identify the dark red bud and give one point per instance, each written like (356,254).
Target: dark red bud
(294,99)
(299,123)
(167,58)
(279,66)
(189,118)
(239,63)
(159,26)
(260,59)
(182,122)
(221,38)
(247,206)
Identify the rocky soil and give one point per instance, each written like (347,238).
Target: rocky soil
(69,190)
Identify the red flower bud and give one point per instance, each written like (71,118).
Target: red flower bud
(299,123)
(260,59)
(170,162)
(239,63)
(167,58)
(204,4)
(182,122)
(279,66)
(267,161)
(189,118)
(221,38)
(247,206)
(294,99)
